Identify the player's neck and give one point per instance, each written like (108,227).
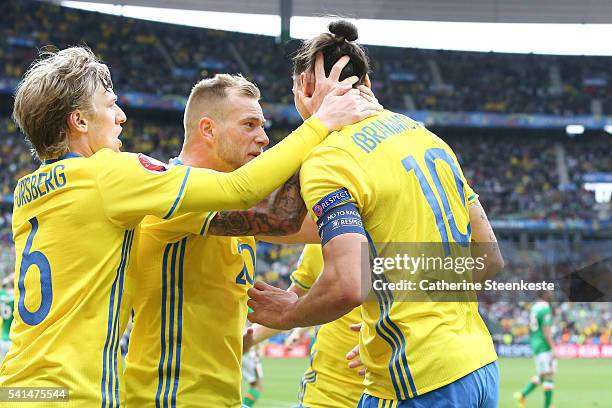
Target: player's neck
(201,158)
(80,147)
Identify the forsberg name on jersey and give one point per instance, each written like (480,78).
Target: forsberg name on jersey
(39,184)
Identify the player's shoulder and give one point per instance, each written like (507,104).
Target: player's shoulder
(127,159)
(329,154)
(368,135)
(51,167)
(110,156)
(540,306)
(109,159)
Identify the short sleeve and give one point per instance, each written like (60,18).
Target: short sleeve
(470,195)
(310,266)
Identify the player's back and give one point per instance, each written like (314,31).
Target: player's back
(540,315)
(408,187)
(73,226)
(68,286)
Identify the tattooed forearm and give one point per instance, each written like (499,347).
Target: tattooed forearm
(281,213)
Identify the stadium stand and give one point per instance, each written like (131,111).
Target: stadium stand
(166,59)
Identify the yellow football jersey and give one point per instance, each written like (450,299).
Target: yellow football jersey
(74,223)
(73,239)
(328,382)
(189,313)
(409,188)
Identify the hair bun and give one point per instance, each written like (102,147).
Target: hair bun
(343,30)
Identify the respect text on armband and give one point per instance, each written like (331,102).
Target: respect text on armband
(331,200)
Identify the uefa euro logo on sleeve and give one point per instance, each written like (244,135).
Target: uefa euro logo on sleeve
(151,164)
(331,200)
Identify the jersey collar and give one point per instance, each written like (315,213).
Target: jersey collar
(176,162)
(65,156)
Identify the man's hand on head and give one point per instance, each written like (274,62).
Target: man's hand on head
(341,108)
(367,93)
(337,103)
(324,85)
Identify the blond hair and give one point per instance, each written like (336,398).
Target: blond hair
(56,84)
(208,95)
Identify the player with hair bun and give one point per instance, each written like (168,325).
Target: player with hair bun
(387,179)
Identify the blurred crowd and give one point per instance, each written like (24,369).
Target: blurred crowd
(573,323)
(275,263)
(166,59)
(564,263)
(518,177)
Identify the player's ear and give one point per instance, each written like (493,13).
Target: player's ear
(206,127)
(307,82)
(366,81)
(77,122)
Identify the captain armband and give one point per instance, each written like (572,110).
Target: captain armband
(343,219)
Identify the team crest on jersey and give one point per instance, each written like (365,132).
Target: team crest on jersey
(331,200)
(151,164)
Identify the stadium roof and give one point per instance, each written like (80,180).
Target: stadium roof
(514,11)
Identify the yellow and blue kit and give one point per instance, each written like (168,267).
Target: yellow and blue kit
(189,298)
(392,180)
(74,226)
(328,382)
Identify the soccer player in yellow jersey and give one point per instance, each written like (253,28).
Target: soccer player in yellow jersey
(389,180)
(186,344)
(328,382)
(75,220)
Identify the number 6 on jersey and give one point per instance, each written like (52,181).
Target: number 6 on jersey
(28,260)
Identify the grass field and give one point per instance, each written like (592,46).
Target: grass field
(579,383)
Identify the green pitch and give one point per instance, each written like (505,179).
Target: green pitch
(579,383)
